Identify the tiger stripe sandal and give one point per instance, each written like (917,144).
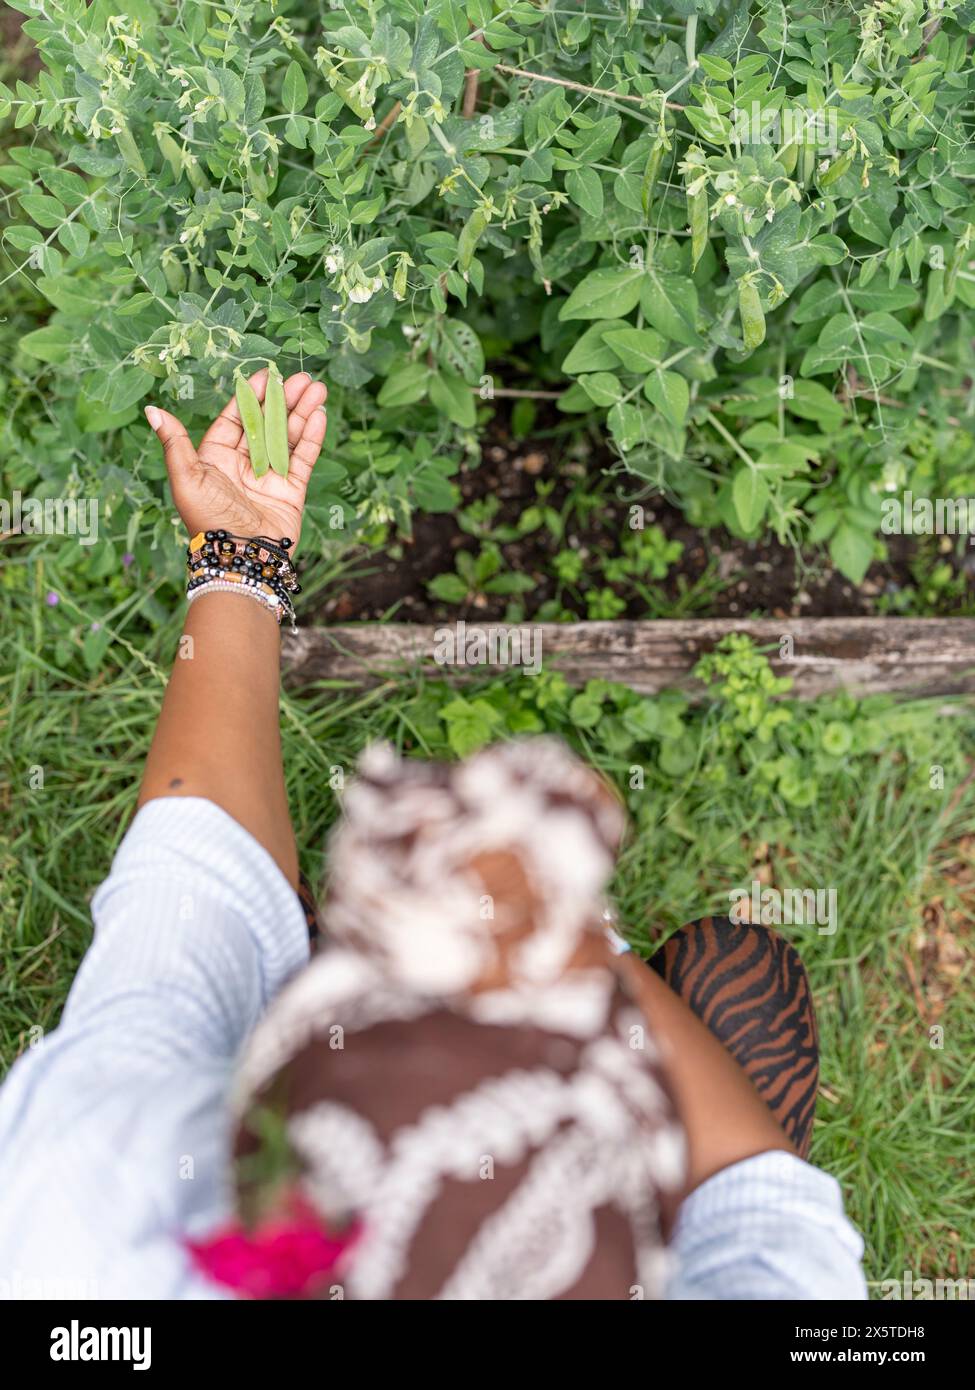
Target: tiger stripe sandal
(749,987)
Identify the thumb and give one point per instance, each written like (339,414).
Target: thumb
(178,449)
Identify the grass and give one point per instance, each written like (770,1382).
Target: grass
(895,1114)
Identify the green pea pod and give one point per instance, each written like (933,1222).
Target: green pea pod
(895,260)
(253,422)
(837,169)
(951,278)
(697,214)
(129,150)
(400,277)
(752,315)
(196,175)
(650,175)
(788,155)
(276,423)
(257,182)
(470,234)
(170,151)
(934,302)
(175,273)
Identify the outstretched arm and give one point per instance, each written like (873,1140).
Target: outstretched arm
(218,735)
(103,1123)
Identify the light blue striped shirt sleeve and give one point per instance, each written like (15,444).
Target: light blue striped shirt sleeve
(115,1132)
(771,1227)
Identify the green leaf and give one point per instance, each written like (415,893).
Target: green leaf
(50,344)
(406,385)
(810,401)
(824,299)
(510,583)
(750,495)
(677,756)
(585,712)
(128,386)
(590,353)
(870,216)
(294,91)
(585,188)
(46,211)
(878,345)
(461,350)
(74,238)
(669,392)
(470,724)
(631,425)
(453,397)
(851,551)
(603,294)
(602,388)
(718,68)
(449,588)
(639,349)
(669,302)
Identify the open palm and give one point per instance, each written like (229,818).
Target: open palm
(214,487)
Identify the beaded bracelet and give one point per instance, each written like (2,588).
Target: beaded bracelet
(222,585)
(251,564)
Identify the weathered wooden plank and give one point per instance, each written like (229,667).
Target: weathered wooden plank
(934,656)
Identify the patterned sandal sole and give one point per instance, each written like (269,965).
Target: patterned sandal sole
(748,985)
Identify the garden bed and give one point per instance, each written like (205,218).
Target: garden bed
(578,477)
(868,656)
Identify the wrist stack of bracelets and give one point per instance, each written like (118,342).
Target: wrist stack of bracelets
(252,565)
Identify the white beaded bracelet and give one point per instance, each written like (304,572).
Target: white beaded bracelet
(214,586)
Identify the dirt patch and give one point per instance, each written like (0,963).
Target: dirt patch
(715,574)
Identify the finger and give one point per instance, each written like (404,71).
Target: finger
(307,403)
(227,428)
(294,388)
(304,454)
(178,448)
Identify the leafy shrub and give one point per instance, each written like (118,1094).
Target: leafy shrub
(735,235)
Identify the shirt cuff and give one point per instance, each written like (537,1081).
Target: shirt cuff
(770,1227)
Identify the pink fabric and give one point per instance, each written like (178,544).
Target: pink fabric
(289,1255)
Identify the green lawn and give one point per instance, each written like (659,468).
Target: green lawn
(839,797)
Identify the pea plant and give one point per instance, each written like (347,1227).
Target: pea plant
(735,237)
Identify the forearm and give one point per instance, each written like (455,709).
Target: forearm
(218,736)
(725,1118)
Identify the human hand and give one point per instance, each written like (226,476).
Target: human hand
(214,487)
